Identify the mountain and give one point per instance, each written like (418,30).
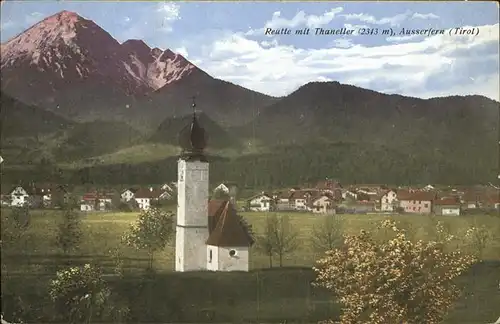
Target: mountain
(20,120)
(169,129)
(226,103)
(69,65)
(89,139)
(332,111)
(155,67)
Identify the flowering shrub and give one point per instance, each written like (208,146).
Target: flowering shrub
(79,293)
(152,231)
(477,239)
(395,281)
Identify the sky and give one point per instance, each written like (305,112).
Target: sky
(228,41)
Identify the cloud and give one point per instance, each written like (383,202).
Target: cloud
(392,21)
(302,19)
(182,51)
(33,18)
(424,16)
(6,24)
(399,39)
(159,18)
(436,65)
(168,12)
(342,43)
(30,19)
(299,20)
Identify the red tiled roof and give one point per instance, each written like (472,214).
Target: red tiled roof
(144,193)
(94,196)
(225,227)
(417,195)
(300,194)
(447,201)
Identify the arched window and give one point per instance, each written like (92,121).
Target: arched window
(210,256)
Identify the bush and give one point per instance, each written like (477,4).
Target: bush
(79,294)
(395,281)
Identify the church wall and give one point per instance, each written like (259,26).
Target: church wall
(212,258)
(192,193)
(190,249)
(192,216)
(238,262)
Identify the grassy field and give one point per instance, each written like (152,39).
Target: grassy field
(259,296)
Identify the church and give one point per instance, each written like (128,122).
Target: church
(209,233)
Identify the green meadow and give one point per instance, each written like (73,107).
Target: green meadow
(262,295)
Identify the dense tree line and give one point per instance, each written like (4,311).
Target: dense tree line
(289,165)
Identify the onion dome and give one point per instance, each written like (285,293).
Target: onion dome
(193,140)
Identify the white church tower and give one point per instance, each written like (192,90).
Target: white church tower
(192,200)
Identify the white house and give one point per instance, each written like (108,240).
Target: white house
(349,194)
(143,198)
(19,197)
(283,201)
(388,201)
(128,194)
(428,188)
(86,206)
(299,199)
(223,188)
(170,187)
(94,201)
(208,236)
(321,205)
(447,207)
(260,202)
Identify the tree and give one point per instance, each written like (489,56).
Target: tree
(79,293)
(97,203)
(152,231)
(69,232)
(15,224)
(278,238)
(265,241)
(477,238)
(394,281)
(328,236)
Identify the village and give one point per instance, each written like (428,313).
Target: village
(325,197)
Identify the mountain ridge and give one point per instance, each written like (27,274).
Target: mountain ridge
(76,69)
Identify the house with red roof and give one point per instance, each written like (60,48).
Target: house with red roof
(447,206)
(228,239)
(96,201)
(418,202)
